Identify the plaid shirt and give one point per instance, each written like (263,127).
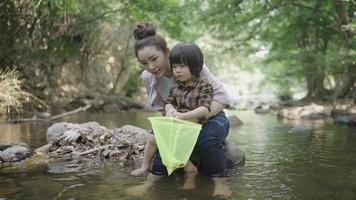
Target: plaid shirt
(189,96)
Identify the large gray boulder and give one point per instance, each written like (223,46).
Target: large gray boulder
(56,131)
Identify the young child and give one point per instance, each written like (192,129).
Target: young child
(189,97)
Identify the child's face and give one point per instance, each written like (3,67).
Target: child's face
(182,72)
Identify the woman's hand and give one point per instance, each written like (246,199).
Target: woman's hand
(178,115)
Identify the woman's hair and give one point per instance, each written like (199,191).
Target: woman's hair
(188,54)
(145,35)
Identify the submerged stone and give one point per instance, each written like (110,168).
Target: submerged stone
(235,121)
(306,129)
(14,152)
(349,120)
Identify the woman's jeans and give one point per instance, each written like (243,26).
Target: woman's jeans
(208,154)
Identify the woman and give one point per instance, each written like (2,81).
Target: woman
(152,52)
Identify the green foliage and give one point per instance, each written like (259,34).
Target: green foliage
(305,43)
(304,39)
(170,16)
(52,27)
(131,87)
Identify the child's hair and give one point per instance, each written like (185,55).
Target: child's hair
(145,35)
(188,54)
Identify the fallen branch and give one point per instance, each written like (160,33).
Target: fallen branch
(95,149)
(15,121)
(70,112)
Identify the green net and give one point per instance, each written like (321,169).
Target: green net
(175,140)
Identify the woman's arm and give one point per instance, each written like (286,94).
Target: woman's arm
(193,114)
(221,99)
(215,108)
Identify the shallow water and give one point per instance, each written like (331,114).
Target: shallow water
(279,165)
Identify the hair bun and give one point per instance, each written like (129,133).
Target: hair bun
(144,30)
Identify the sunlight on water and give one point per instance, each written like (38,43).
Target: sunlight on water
(279,164)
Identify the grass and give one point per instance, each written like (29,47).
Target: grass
(12,96)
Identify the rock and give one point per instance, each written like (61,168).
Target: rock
(70,137)
(306,129)
(335,113)
(315,116)
(290,103)
(234,155)
(111,108)
(349,120)
(313,111)
(44,150)
(15,153)
(4,146)
(282,128)
(132,133)
(90,142)
(234,121)
(340,110)
(55,131)
(274,107)
(94,127)
(91,132)
(262,110)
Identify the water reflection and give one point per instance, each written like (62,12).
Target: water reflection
(33,134)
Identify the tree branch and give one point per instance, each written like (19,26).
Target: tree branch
(102,15)
(311,8)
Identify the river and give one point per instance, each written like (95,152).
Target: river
(279,164)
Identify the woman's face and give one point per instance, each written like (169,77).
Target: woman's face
(154,60)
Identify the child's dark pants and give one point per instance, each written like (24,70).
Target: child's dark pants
(208,154)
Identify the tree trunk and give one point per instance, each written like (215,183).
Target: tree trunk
(315,84)
(343,19)
(8,25)
(348,85)
(123,67)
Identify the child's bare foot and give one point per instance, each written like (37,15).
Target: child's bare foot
(140,171)
(189,167)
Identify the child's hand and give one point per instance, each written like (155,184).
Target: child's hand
(170,112)
(183,116)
